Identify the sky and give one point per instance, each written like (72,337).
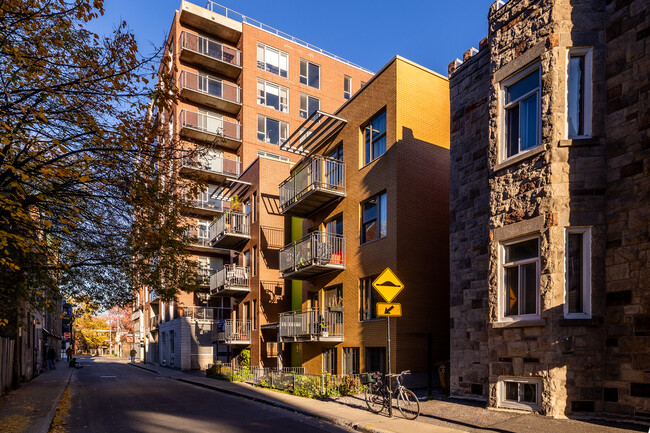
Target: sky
(366,32)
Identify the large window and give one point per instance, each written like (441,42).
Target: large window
(579,93)
(519,393)
(329,360)
(334,296)
(272,60)
(347,87)
(308,104)
(351,360)
(578,273)
(521,111)
(374,137)
(309,73)
(373,218)
(376,359)
(520,269)
(367,299)
(271,130)
(273,96)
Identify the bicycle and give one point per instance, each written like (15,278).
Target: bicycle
(378,394)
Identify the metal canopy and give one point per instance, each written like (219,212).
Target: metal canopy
(228,188)
(315,131)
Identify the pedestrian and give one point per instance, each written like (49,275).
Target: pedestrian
(51,358)
(68,353)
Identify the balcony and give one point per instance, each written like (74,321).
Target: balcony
(315,254)
(211,129)
(203,205)
(210,54)
(153,322)
(136,315)
(230,229)
(215,22)
(231,280)
(199,240)
(203,314)
(209,91)
(209,166)
(318,182)
(311,325)
(236,332)
(203,277)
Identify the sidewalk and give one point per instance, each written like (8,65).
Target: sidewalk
(440,415)
(329,411)
(31,407)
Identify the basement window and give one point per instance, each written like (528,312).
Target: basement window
(519,393)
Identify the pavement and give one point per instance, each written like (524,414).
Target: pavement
(31,407)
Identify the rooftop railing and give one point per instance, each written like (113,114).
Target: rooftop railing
(210,86)
(210,48)
(236,16)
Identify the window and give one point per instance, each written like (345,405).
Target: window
(273,96)
(254,261)
(521,112)
(520,261)
(519,393)
(272,155)
(347,87)
(254,315)
(329,360)
(376,359)
(271,349)
(334,296)
(247,258)
(578,273)
(309,74)
(335,226)
(308,104)
(171,341)
(579,93)
(367,300)
(351,360)
(272,60)
(254,207)
(374,136)
(271,130)
(336,171)
(373,218)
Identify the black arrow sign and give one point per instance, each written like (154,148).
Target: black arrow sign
(388,310)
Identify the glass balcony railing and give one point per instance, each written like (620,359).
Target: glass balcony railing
(203,159)
(210,86)
(211,125)
(210,48)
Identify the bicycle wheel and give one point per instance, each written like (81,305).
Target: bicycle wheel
(408,403)
(374,398)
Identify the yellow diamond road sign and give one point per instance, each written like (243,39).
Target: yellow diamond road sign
(385,309)
(388,285)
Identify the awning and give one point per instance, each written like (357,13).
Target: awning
(314,132)
(58,337)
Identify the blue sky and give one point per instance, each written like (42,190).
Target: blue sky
(368,33)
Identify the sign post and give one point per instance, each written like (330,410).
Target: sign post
(388,286)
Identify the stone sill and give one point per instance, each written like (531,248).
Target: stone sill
(520,323)
(593,321)
(579,142)
(517,159)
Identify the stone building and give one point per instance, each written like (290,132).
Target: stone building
(550,207)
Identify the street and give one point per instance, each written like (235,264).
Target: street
(108,395)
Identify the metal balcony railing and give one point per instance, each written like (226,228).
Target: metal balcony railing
(210,48)
(311,325)
(153,322)
(210,86)
(320,177)
(231,278)
(212,125)
(233,331)
(202,313)
(202,159)
(230,223)
(314,254)
(203,201)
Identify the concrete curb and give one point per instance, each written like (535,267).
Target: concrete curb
(47,420)
(279,405)
(142,367)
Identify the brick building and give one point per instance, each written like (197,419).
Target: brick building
(244,88)
(549,203)
(370,192)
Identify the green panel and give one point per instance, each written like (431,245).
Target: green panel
(296,292)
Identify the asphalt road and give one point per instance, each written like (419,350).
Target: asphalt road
(110,396)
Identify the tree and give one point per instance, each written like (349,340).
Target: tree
(90,332)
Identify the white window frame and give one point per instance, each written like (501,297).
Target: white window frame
(307,76)
(272,155)
(280,88)
(504,107)
(347,81)
(281,54)
(586,272)
(503,294)
(587,53)
(501,392)
(305,97)
(280,137)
